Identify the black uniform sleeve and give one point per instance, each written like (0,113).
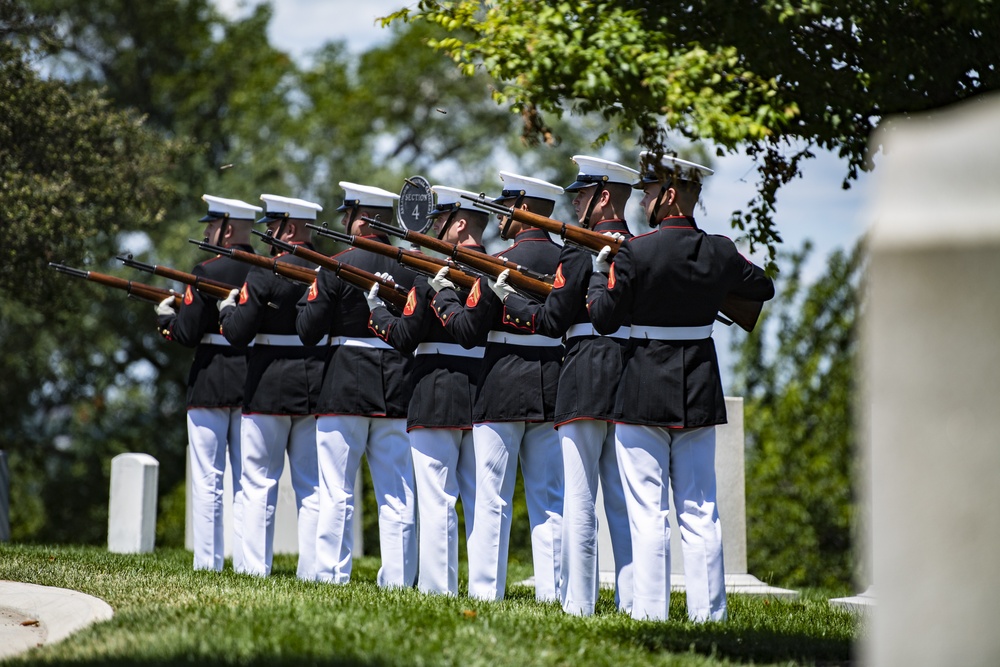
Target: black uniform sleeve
(317,307)
(560,308)
(754,284)
(404,332)
(240,323)
(468,322)
(609,301)
(197,316)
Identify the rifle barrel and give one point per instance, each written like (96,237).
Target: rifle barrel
(139,290)
(352,275)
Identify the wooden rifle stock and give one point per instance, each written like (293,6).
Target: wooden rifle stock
(735,309)
(520,277)
(387,290)
(213,288)
(419,262)
(140,291)
(291,271)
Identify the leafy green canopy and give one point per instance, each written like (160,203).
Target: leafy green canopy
(116,116)
(776,79)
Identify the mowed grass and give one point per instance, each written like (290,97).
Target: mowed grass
(167,614)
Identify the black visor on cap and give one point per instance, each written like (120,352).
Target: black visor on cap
(509,194)
(650,177)
(273,215)
(584,181)
(213,215)
(348,204)
(440,209)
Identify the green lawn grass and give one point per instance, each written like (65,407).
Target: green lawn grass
(167,614)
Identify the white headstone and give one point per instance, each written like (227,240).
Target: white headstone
(132,506)
(932,375)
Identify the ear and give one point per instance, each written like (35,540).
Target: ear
(460,224)
(291,229)
(605,197)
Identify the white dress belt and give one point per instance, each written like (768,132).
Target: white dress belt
(587,329)
(451,349)
(284,340)
(534,340)
(214,339)
(671,333)
(350,341)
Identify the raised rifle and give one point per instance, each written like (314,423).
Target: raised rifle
(735,309)
(520,277)
(291,271)
(213,288)
(140,291)
(419,262)
(387,289)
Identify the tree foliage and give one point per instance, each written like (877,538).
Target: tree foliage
(797,372)
(119,116)
(776,79)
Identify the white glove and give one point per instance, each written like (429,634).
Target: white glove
(601,264)
(229,300)
(372,298)
(500,287)
(166,307)
(385,276)
(617,236)
(440,281)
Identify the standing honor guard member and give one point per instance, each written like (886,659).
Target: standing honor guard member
(283,382)
(671,282)
(362,408)
(439,418)
(514,406)
(215,384)
(588,384)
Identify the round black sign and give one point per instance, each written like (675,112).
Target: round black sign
(415,203)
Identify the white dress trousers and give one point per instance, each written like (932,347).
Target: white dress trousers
(647,456)
(265,440)
(341,442)
(498,447)
(588,450)
(214,433)
(444,469)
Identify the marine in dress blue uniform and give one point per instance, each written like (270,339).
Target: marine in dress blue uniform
(588,384)
(439,416)
(670,283)
(214,386)
(514,407)
(362,408)
(282,389)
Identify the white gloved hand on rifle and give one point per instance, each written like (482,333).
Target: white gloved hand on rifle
(372,298)
(440,280)
(229,300)
(165,308)
(500,286)
(601,263)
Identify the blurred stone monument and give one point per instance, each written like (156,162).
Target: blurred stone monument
(132,505)
(931,359)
